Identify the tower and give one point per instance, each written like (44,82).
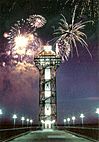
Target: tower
(47,62)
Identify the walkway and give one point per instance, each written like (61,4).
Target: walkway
(49,136)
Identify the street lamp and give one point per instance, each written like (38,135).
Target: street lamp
(1,112)
(73,118)
(64,121)
(22,119)
(31,121)
(97,111)
(82,118)
(14,118)
(27,120)
(68,120)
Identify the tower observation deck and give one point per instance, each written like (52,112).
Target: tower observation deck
(47,62)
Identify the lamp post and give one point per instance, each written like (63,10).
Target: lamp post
(27,120)
(22,119)
(68,120)
(1,112)
(14,118)
(31,122)
(97,111)
(73,118)
(64,122)
(82,118)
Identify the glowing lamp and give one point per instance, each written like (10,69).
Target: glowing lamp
(14,116)
(68,119)
(97,110)
(1,112)
(22,118)
(27,120)
(64,120)
(82,115)
(73,118)
(31,121)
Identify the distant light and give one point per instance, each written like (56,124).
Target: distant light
(68,119)
(31,121)
(82,115)
(97,110)
(73,118)
(1,112)
(22,118)
(14,116)
(64,120)
(27,120)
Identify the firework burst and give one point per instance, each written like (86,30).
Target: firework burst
(68,35)
(36,21)
(23,40)
(90,7)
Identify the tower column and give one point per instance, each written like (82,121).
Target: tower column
(47,63)
(47,97)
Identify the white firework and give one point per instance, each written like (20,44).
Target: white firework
(68,35)
(23,41)
(36,21)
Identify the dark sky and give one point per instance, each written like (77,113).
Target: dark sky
(78,88)
(77,79)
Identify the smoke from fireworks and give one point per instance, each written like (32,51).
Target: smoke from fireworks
(23,40)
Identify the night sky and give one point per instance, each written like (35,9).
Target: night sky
(77,79)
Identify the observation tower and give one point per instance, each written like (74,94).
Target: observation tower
(47,62)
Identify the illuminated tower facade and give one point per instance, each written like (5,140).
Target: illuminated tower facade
(47,62)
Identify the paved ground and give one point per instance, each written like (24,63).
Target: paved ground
(49,136)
